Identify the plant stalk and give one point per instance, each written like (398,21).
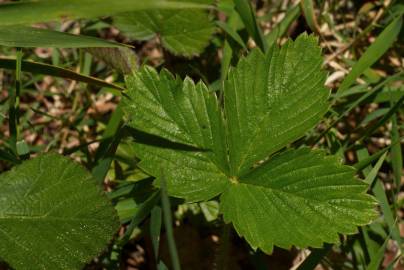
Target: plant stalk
(14,104)
(165,201)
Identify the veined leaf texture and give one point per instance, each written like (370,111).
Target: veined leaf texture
(296,197)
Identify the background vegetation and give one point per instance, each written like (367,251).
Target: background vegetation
(68,100)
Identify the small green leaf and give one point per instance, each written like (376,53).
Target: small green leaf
(186,32)
(53,215)
(297,197)
(382,43)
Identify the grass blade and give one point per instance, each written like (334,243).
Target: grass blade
(378,191)
(374,91)
(46,69)
(168,223)
(370,178)
(8,156)
(314,258)
(308,11)
(108,146)
(143,211)
(396,154)
(30,37)
(360,165)
(14,102)
(232,33)
(383,120)
(29,12)
(280,29)
(155,229)
(382,43)
(247,15)
(377,259)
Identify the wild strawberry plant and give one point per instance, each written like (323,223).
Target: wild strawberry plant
(272,196)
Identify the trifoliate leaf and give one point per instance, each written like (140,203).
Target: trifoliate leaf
(298,197)
(185,32)
(53,215)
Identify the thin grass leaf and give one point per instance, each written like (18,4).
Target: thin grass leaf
(396,154)
(315,257)
(111,138)
(155,230)
(14,104)
(47,69)
(30,37)
(376,50)
(382,121)
(373,116)
(168,223)
(280,29)
(247,15)
(372,174)
(379,192)
(9,156)
(29,12)
(360,165)
(105,158)
(377,259)
(308,11)
(142,212)
(232,33)
(161,266)
(389,93)
(366,95)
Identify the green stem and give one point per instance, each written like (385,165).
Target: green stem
(168,223)
(14,104)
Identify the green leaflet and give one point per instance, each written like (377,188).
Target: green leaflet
(53,215)
(185,32)
(298,197)
(272,100)
(186,114)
